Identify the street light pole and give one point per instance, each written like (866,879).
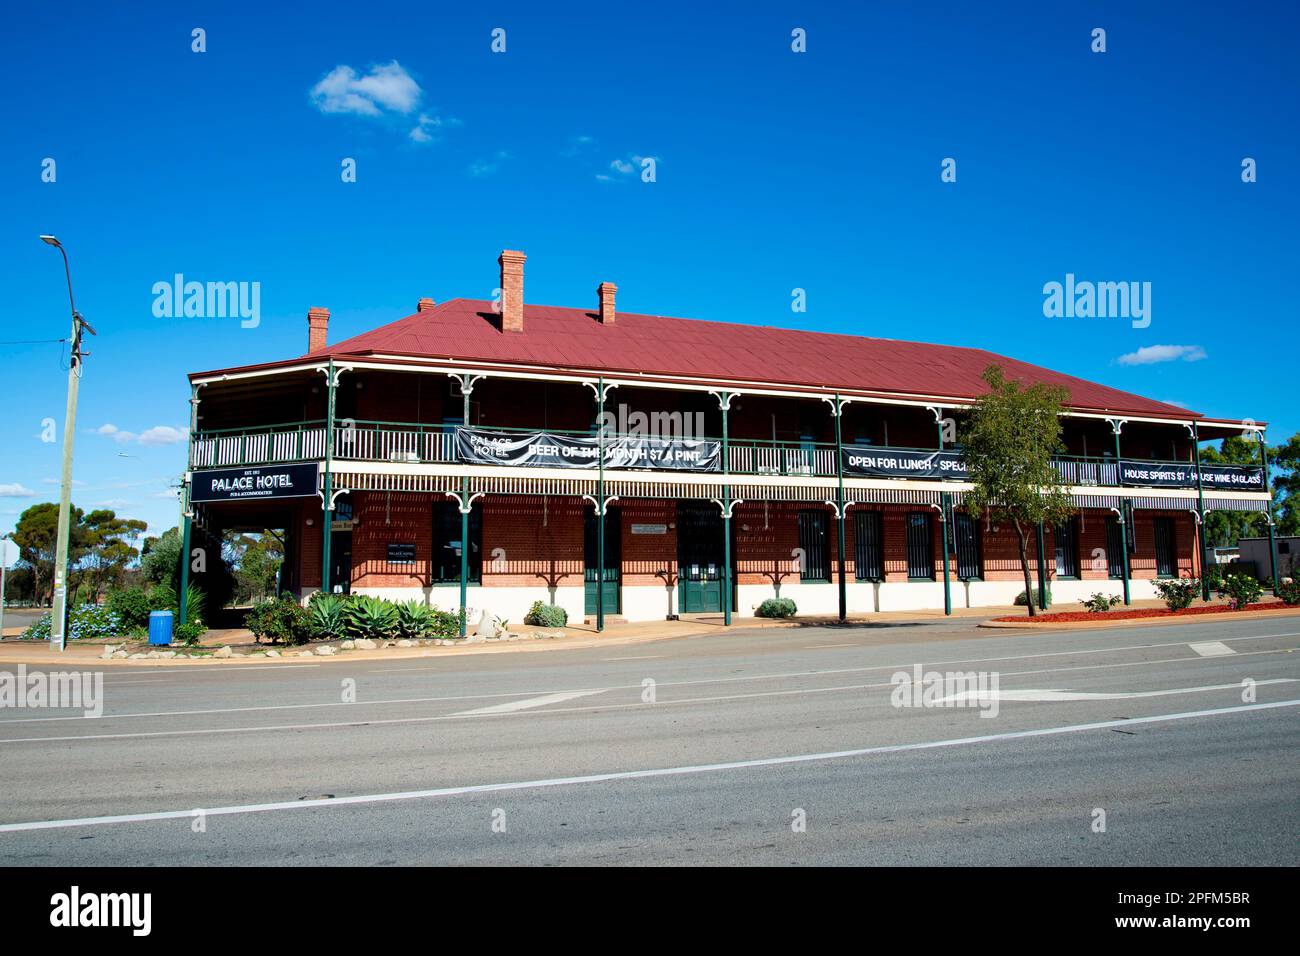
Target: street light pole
(59,597)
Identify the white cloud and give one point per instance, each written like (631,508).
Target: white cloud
(76,482)
(426,123)
(1176,404)
(157,435)
(1152,354)
(486,167)
(621,166)
(162,435)
(387,87)
(16,490)
(625,166)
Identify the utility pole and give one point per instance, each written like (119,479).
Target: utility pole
(59,601)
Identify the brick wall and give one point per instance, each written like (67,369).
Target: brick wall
(529,542)
(384,518)
(647,558)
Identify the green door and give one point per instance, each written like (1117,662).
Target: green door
(699,558)
(613,561)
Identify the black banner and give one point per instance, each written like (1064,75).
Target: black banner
(866,461)
(264,481)
(1157,474)
(476,446)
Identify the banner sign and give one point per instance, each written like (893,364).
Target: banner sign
(1183,475)
(265,481)
(476,446)
(868,462)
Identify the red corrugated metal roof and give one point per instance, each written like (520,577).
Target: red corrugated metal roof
(469,330)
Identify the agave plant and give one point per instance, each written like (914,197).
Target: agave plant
(414,620)
(327,616)
(366,616)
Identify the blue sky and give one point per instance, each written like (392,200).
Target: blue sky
(774,170)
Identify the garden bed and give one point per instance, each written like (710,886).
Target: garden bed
(1068,617)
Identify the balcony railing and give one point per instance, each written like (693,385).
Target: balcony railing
(436,444)
(270,444)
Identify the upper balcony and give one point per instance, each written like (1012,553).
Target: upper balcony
(406,443)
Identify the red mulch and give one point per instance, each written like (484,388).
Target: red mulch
(1065,616)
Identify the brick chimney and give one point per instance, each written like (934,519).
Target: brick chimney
(425,305)
(606,292)
(318,323)
(512,290)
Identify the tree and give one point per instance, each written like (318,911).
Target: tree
(1286,485)
(161,561)
(1008,442)
(110,548)
(1224,528)
(36,536)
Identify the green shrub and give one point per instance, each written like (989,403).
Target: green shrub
(445,624)
(414,620)
(777,607)
(1178,593)
(1289,591)
(283,620)
(369,617)
(1101,603)
(1214,578)
(131,605)
(325,615)
(189,633)
(546,615)
(1022,602)
(85,622)
(1241,590)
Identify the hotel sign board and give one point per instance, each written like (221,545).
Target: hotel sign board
(868,462)
(476,446)
(244,484)
(1159,474)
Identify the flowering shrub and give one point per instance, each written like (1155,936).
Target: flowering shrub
(1241,590)
(1100,603)
(86,622)
(1178,593)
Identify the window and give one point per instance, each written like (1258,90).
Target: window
(444,563)
(1166,548)
(969,566)
(920,547)
(815,546)
(868,546)
(1114,549)
(1067,549)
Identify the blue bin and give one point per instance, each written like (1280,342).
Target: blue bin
(160,627)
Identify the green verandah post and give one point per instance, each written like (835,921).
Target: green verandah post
(1116,425)
(466,387)
(1200,514)
(838,411)
(600,504)
(724,400)
(1042,568)
(185,505)
(327,506)
(944,516)
(1268,486)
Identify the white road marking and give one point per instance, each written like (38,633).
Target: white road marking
(512,706)
(559,710)
(1211,648)
(1062,695)
(639,657)
(813,647)
(632,774)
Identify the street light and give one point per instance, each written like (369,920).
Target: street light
(59,598)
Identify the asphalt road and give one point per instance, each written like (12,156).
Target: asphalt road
(753,747)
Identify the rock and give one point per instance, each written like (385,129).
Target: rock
(325,650)
(272,653)
(137,656)
(224,652)
(120,655)
(405,643)
(365,644)
(348,646)
(305,654)
(107,652)
(167,654)
(486,626)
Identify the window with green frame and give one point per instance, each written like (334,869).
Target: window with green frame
(444,563)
